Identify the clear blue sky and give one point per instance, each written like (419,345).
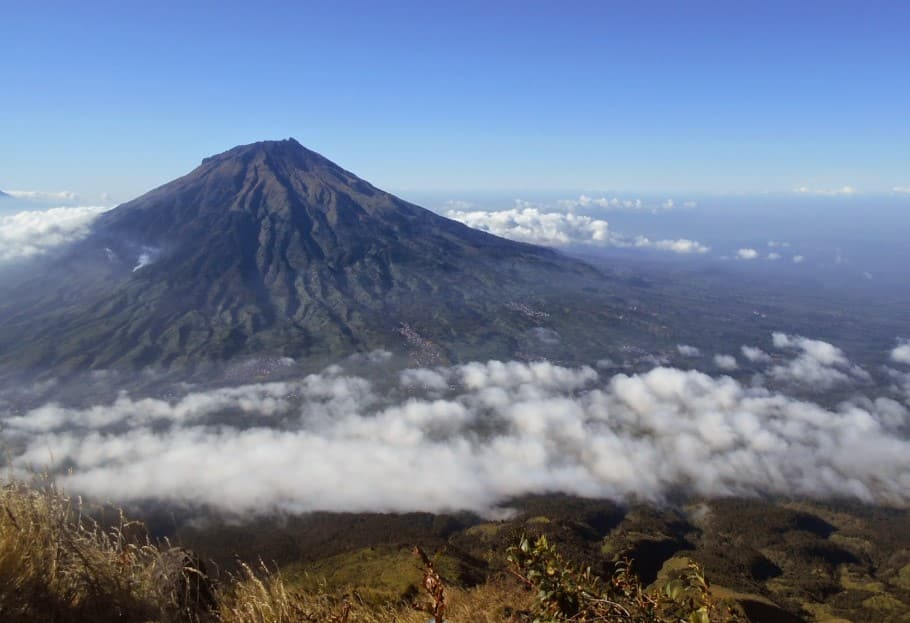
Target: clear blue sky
(638,96)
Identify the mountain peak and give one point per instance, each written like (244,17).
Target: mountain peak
(286,148)
(271,247)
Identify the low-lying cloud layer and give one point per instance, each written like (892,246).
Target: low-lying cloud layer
(471,436)
(528,223)
(31,233)
(843,191)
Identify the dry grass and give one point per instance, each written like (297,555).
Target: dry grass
(262,597)
(496,601)
(59,566)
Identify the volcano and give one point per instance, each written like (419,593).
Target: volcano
(270,248)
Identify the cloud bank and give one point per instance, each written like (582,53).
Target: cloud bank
(528,223)
(30,233)
(843,191)
(470,437)
(615,203)
(43,196)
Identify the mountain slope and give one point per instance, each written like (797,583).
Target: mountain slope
(271,248)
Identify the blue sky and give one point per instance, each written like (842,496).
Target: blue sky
(645,97)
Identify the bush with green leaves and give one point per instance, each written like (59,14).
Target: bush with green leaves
(565,593)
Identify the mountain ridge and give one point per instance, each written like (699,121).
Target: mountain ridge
(272,248)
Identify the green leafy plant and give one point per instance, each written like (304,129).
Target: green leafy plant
(564,593)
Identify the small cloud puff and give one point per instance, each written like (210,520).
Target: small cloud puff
(754,354)
(682,245)
(688,351)
(819,365)
(726,362)
(747,254)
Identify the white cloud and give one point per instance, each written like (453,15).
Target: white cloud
(901,190)
(604,203)
(726,362)
(774,256)
(823,352)
(747,254)
(469,437)
(754,354)
(43,196)
(688,351)
(777,244)
(819,365)
(682,245)
(901,352)
(30,233)
(843,191)
(458,204)
(529,223)
(615,203)
(798,259)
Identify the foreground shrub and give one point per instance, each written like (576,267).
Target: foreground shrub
(564,593)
